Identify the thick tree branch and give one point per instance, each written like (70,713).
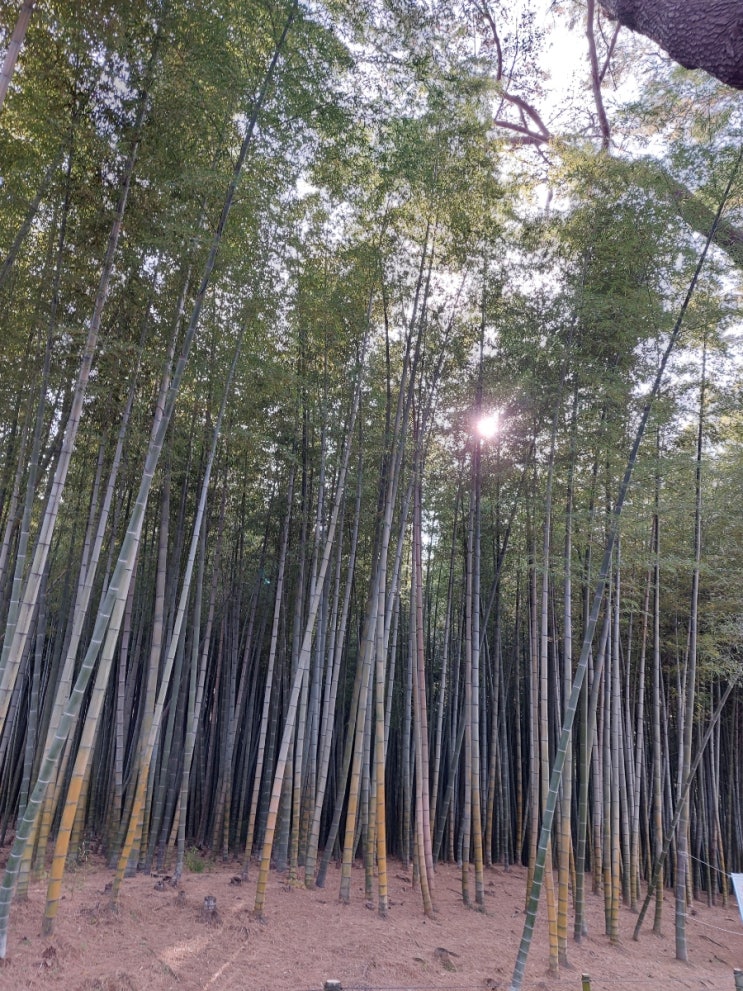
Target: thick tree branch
(531,130)
(698,34)
(525,136)
(528,112)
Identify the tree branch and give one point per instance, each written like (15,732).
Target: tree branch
(529,111)
(525,136)
(484,8)
(698,34)
(596,75)
(609,50)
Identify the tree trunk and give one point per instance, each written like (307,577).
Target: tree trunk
(698,34)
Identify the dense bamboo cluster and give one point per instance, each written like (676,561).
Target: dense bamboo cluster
(266,589)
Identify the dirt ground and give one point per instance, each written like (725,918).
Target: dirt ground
(162,939)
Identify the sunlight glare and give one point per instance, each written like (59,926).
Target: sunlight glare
(487,426)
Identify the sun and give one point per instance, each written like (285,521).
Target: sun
(487,426)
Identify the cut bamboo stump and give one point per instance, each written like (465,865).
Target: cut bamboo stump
(209,913)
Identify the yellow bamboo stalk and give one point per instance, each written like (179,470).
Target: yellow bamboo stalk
(59,861)
(79,823)
(80,771)
(354,790)
(133,831)
(549,891)
(278,783)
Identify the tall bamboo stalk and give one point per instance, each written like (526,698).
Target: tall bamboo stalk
(598,595)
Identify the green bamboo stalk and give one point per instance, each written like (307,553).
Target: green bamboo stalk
(109,616)
(306,648)
(150,741)
(598,595)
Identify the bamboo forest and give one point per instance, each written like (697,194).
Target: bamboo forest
(371,452)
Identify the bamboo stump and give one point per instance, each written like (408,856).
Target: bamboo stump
(209,913)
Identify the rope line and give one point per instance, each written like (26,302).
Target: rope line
(707,864)
(573,982)
(560,982)
(708,925)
